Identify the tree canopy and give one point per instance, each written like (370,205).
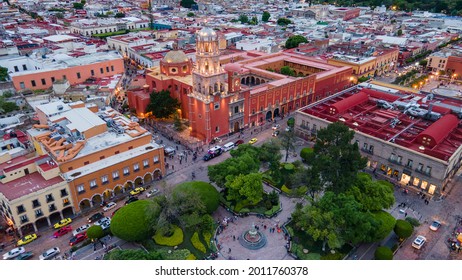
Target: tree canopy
(246,187)
(243,19)
(207,193)
(78,5)
(162,105)
(265,16)
(3,74)
(232,167)
(187,3)
(95,232)
(294,41)
(403,229)
(131,222)
(383,253)
(283,21)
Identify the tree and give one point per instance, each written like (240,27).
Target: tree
(294,41)
(78,6)
(95,232)
(246,187)
(399,32)
(177,124)
(187,3)
(3,74)
(132,222)
(287,141)
(207,193)
(403,229)
(119,15)
(230,168)
(286,70)
(162,105)
(373,195)
(336,158)
(190,14)
(59,15)
(284,21)
(307,154)
(265,16)
(253,21)
(385,223)
(423,63)
(270,152)
(383,253)
(243,19)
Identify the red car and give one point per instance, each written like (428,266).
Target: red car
(77,239)
(62,231)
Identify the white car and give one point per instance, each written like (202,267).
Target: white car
(81,229)
(419,242)
(102,221)
(152,192)
(435,225)
(13,253)
(109,206)
(276,127)
(50,253)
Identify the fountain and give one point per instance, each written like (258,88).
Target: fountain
(252,239)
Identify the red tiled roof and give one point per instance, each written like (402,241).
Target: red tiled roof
(27,184)
(345,104)
(438,131)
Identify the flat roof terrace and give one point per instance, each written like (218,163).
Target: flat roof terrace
(361,111)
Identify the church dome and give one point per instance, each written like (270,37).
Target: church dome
(175,57)
(206,34)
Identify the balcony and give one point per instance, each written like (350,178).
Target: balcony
(395,160)
(236,116)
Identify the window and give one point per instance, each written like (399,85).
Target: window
(64,77)
(38,213)
(112,67)
(22,85)
(104,179)
(393,157)
(115,175)
(130,147)
(126,171)
(107,68)
(236,109)
(66,202)
(80,189)
(86,163)
(101,70)
(51,207)
(371,149)
(145,163)
(428,170)
(136,167)
(23,219)
(116,152)
(409,163)
(16,69)
(399,160)
(21,209)
(253,111)
(49,198)
(93,184)
(420,167)
(44,82)
(102,157)
(92,72)
(64,193)
(78,75)
(156,159)
(216,105)
(53,79)
(33,83)
(217,129)
(35,203)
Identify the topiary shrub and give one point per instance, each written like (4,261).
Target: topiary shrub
(268,204)
(207,237)
(95,232)
(174,240)
(131,222)
(289,167)
(307,154)
(413,221)
(286,190)
(403,229)
(195,241)
(208,194)
(383,253)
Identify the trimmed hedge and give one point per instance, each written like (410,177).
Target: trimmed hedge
(383,253)
(272,210)
(195,241)
(174,240)
(207,237)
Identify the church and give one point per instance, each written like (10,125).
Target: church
(222,94)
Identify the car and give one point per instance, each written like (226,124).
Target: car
(419,242)
(26,239)
(137,191)
(102,221)
(62,223)
(95,217)
(77,239)
(81,229)
(50,253)
(239,142)
(276,127)
(130,200)
(152,192)
(25,256)
(109,206)
(253,141)
(207,157)
(13,253)
(275,133)
(435,225)
(62,231)
(105,225)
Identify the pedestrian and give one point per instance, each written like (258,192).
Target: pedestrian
(405,214)
(234,238)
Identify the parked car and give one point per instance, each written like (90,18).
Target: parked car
(137,191)
(275,133)
(152,192)
(239,142)
(276,127)
(81,229)
(102,221)
(109,206)
(130,200)
(13,253)
(25,256)
(77,239)
(213,152)
(419,242)
(50,253)
(26,239)
(95,217)
(253,141)
(62,223)
(62,231)
(435,225)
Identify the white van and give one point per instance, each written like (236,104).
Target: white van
(228,146)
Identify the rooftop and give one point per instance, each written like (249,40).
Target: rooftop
(27,184)
(413,121)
